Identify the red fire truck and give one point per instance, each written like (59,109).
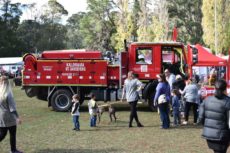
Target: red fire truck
(55,76)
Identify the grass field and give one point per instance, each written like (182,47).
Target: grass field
(46,131)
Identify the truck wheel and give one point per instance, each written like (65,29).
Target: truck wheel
(61,100)
(150,101)
(149,93)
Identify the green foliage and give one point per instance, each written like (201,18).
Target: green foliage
(53,12)
(53,36)
(107,23)
(94,29)
(158,31)
(53,33)
(186,16)
(74,36)
(135,17)
(222,26)
(126,23)
(144,30)
(9,21)
(29,34)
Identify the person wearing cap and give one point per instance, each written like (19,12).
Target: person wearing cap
(179,84)
(214,115)
(141,59)
(190,94)
(170,77)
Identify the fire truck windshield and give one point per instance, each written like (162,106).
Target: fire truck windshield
(144,55)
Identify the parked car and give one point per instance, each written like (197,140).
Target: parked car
(18,78)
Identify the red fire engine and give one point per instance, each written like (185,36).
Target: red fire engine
(56,75)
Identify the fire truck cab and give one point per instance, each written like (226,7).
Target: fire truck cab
(55,76)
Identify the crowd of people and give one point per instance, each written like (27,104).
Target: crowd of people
(173,93)
(212,112)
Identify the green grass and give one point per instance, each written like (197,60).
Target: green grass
(46,131)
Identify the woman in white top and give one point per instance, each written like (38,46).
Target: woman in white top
(131,87)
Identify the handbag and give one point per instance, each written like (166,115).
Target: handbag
(162,99)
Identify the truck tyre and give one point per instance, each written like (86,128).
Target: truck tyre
(149,93)
(150,101)
(82,98)
(31,91)
(61,100)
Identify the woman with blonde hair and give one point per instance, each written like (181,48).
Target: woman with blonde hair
(131,88)
(8,114)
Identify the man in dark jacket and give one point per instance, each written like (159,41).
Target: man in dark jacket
(179,84)
(213,114)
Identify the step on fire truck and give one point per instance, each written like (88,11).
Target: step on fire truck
(55,76)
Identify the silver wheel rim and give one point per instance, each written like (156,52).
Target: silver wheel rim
(62,101)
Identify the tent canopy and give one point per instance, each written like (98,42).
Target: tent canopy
(205,58)
(11,60)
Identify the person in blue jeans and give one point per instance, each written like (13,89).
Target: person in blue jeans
(92,105)
(175,107)
(163,88)
(75,112)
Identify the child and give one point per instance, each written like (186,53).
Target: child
(175,107)
(92,105)
(75,112)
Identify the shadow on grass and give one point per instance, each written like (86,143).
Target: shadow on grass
(190,127)
(78,150)
(102,129)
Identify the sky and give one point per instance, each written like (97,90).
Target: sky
(72,6)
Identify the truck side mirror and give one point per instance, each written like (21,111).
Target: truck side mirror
(194,55)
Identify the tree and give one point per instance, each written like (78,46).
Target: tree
(135,17)
(145,32)
(74,36)
(53,32)
(9,21)
(123,24)
(97,26)
(186,16)
(159,21)
(222,26)
(53,12)
(29,33)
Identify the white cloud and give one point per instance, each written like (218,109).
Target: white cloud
(72,6)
